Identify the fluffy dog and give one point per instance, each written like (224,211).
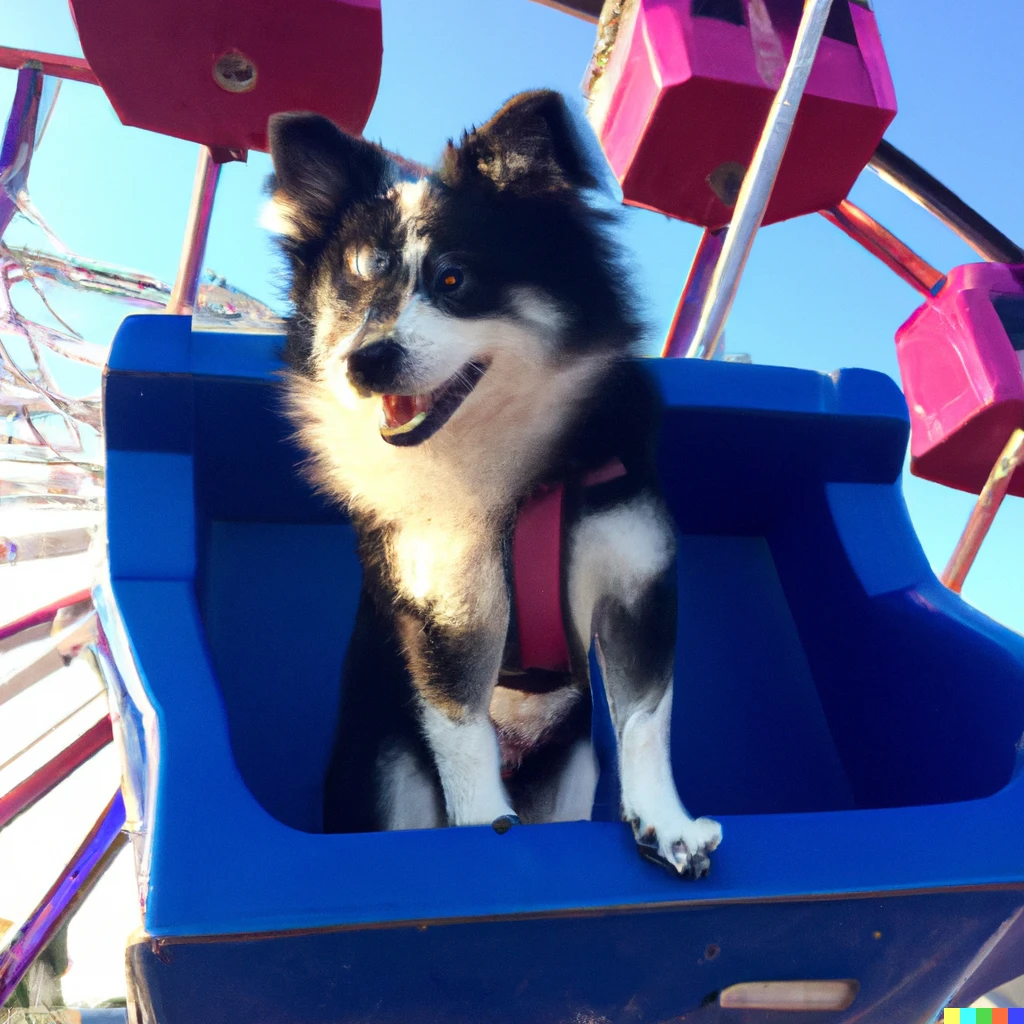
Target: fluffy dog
(458,341)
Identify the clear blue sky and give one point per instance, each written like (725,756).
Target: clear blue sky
(810,297)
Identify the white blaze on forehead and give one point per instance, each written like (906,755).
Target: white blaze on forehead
(409,196)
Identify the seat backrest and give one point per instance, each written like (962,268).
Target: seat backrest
(818,659)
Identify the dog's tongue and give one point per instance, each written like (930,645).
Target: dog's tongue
(400,409)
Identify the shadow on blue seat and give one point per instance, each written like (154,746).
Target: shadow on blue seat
(838,708)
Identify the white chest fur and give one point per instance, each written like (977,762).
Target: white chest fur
(452,569)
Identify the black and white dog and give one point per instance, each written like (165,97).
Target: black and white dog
(457,341)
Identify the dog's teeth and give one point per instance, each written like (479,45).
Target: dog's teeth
(403,428)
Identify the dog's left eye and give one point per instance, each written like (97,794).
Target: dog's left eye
(449,279)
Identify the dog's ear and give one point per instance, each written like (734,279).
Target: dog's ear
(318,172)
(530,144)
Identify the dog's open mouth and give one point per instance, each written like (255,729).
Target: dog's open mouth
(410,419)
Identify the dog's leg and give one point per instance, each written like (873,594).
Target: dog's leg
(408,793)
(454,673)
(466,753)
(622,587)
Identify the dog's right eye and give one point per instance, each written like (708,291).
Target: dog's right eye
(366,262)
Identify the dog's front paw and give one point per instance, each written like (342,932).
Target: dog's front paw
(505,822)
(684,849)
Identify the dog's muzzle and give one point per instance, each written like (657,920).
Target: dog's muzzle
(375,368)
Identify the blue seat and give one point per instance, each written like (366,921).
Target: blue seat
(853,724)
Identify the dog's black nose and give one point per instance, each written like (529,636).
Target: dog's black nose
(375,367)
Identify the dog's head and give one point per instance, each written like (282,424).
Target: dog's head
(409,293)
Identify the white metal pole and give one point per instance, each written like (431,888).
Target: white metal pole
(759,181)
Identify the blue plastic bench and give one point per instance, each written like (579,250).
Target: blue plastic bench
(854,725)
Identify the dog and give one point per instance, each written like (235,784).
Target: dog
(457,341)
